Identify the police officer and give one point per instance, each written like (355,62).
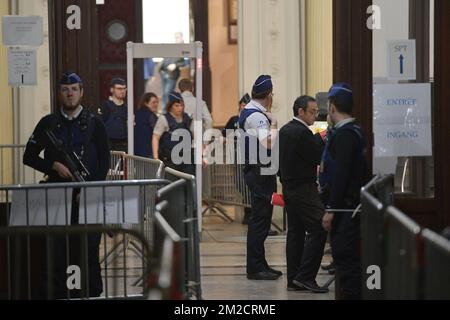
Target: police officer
(258,122)
(80,132)
(233,123)
(230,130)
(114,114)
(173,128)
(345,167)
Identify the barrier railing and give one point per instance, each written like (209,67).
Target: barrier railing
(223,181)
(414,263)
(436,266)
(12,169)
(372,226)
(169,281)
(179,198)
(112,198)
(402,265)
(126,167)
(50,262)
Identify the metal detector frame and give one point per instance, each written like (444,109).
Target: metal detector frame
(191,50)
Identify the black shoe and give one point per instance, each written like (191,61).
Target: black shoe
(328,266)
(263,275)
(273,233)
(293,287)
(311,286)
(278,273)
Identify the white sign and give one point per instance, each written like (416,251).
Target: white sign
(36,208)
(402,120)
(401,60)
(22,31)
(22,67)
(110,207)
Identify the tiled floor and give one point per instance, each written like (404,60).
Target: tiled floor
(223,255)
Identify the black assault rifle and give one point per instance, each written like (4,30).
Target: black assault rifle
(71,159)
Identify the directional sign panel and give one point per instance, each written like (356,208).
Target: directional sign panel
(401,60)
(22,31)
(402,120)
(22,66)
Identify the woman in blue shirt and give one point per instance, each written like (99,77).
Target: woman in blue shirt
(145,120)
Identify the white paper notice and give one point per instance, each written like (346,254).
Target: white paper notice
(22,67)
(402,120)
(22,31)
(112,212)
(57,203)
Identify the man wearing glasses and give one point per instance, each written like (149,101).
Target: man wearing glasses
(114,113)
(300,155)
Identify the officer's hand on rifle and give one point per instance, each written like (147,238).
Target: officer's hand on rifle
(62,171)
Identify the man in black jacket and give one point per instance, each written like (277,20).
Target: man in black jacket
(345,165)
(300,154)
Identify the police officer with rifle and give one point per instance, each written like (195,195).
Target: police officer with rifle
(76,149)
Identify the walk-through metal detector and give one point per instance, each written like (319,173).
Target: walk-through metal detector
(191,50)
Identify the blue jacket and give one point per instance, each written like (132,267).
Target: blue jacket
(143,132)
(85,135)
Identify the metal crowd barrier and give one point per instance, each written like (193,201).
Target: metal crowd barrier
(178,205)
(223,183)
(12,169)
(169,280)
(436,266)
(402,264)
(58,263)
(112,203)
(126,167)
(375,198)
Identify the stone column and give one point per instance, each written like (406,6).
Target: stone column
(270,43)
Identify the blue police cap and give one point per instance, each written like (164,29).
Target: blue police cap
(70,78)
(342,91)
(263,84)
(175,97)
(118,81)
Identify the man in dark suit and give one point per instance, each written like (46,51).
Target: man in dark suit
(300,155)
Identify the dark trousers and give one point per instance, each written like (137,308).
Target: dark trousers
(260,220)
(345,241)
(305,212)
(71,250)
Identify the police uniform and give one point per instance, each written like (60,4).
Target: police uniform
(167,127)
(115,118)
(85,135)
(342,175)
(254,121)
